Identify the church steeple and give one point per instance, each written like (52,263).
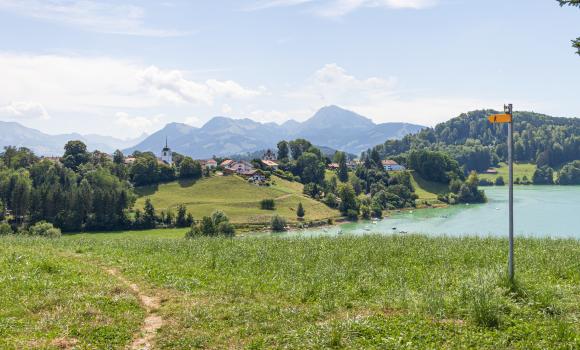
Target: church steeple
(166,154)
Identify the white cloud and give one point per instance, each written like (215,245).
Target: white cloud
(91,15)
(338,8)
(331,84)
(139,124)
(84,84)
(171,85)
(19,110)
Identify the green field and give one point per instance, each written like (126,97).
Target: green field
(236,197)
(378,292)
(520,170)
(427,190)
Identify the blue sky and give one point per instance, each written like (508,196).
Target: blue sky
(125,67)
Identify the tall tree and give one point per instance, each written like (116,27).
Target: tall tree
(149,216)
(283,150)
(340,158)
(189,169)
(75,154)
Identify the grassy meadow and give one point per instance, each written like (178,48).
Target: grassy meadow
(394,292)
(239,199)
(520,170)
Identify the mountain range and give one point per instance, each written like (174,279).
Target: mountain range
(15,134)
(331,127)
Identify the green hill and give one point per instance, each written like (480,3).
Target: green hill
(239,199)
(427,190)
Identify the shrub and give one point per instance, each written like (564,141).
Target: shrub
(499,181)
(44,229)
(352,214)
(267,204)
(225,229)
(5,229)
(216,224)
(365,212)
(278,223)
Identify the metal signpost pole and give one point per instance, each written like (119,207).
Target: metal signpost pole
(509,110)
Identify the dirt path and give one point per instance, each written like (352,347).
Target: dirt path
(144,338)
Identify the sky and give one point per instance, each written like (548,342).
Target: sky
(125,67)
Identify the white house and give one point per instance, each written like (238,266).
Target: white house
(210,163)
(239,167)
(391,165)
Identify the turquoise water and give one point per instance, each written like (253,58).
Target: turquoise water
(539,211)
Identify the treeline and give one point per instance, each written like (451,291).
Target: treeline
(83,191)
(477,144)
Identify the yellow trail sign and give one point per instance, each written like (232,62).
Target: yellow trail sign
(500,118)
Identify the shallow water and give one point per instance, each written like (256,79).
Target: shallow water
(539,211)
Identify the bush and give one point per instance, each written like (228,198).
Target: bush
(352,214)
(267,204)
(44,229)
(226,229)
(278,223)
(499,181)
(485,182)
(218,224)
(5,229)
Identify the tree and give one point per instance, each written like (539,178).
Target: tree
(499,181)
(149,216)
(570,174)
(181,218)
(118,157)
(310,168)
(575,43)
(340,158)
(299,146)
(543,176)
(347,199)
(75,155)
(278,223)
(283,150)
(300,211)
(189,169)
(144,170)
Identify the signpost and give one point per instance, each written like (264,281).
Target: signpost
(507,117)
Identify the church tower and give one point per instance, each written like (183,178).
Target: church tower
(166,154)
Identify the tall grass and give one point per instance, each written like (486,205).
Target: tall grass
(352,292)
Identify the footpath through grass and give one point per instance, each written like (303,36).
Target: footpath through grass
(344,292)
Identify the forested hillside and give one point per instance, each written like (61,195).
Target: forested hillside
(477,144)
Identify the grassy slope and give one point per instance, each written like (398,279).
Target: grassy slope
(347,292)
(49,300)
(427,190)
(239,199)
(520,169)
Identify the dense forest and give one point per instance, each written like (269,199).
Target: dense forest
(85,190)
(477,144)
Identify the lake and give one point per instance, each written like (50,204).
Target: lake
(539,211)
